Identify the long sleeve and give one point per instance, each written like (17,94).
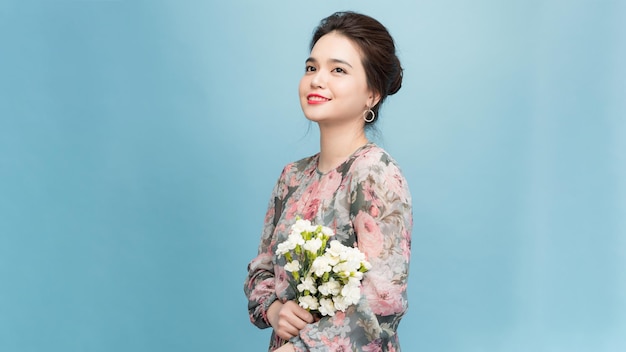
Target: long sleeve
(259,285)
(381,216)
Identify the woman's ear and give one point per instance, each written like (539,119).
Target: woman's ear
(373,99)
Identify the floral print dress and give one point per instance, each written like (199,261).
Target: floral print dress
(366,201)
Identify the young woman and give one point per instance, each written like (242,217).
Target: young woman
(352,186)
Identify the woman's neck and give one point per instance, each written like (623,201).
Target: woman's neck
(336,145)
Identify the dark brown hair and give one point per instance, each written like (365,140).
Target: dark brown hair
(382,66)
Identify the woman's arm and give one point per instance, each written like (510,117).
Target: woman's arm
(259,286)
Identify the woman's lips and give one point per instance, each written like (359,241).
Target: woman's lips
(316,99)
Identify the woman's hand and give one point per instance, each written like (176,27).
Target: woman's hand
(288,318)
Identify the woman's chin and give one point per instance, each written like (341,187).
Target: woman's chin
(313,118)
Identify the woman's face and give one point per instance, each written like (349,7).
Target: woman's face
(334,87)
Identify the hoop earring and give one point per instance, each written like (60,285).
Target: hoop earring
(369,119)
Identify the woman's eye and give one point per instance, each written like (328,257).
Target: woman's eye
(339,70)
(309,69)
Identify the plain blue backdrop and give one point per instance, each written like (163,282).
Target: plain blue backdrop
(140,140)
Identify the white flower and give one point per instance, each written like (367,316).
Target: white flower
(295,239)
(356,275)
(300,226)
(321,265)
(327,307)
(332,259)
(327,231)
(337,249)
(352,291)
(292,266)
(284,247)
(312,228)
(354,256)
(312,245)
(343,269)
(307,284)
(308,302)
(340,303)
(330,288)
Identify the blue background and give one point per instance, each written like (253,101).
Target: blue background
(140,140)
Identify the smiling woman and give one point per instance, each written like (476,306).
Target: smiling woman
(352,186)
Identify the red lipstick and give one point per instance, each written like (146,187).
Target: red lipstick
(316,99)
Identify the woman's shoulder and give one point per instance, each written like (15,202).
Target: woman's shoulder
(376,166)
(374,156)
(302,166)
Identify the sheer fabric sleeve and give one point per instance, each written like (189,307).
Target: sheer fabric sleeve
(381,215)
(259,285)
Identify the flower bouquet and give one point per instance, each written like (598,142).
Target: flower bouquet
(326,274)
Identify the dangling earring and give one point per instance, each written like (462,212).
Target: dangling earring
(369,115)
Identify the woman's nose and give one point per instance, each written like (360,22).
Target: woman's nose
(318,80)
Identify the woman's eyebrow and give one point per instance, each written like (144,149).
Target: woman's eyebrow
(337,61)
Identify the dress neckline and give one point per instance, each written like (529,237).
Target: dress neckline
(348,158)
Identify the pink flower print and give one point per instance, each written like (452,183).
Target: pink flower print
(369,194)
(311,190)
(279,229)
(368,157)
(369,237)
(287,169)
(306,336)
(396,184)
(337,344)
(339,318)
(384,297)
(373,346)
(311,209)
(262,289)
(374,211)
(291,182)
(282,280)
(330,184)
(292,209)
(390,347)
